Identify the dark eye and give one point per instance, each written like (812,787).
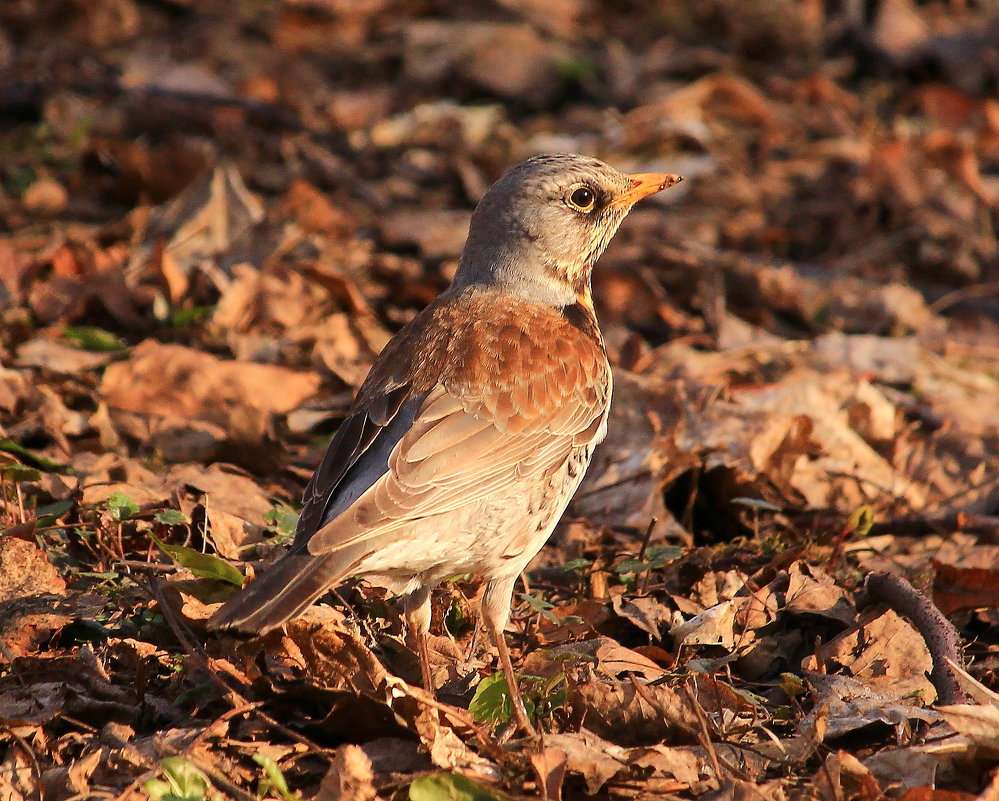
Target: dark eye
(582,198)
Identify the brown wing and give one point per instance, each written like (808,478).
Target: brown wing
(517,389)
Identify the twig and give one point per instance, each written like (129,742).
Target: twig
(223,718)
(643,579)
(196,653)
(194,650)
(647,537)
(962,294)
(937,631)
(146,565)
(916,525)
(704,734)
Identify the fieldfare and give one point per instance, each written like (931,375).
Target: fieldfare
(474,427)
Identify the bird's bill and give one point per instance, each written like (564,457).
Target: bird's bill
(644,184)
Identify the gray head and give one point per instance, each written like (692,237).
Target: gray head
(541,227)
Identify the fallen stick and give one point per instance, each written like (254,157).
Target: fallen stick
(937,631)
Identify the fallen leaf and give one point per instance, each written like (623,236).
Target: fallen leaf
(25,571)
(350,777)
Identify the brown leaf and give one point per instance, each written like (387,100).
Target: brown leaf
(180,382)
(844,776)
(66,782)
(631,713)
(647,613)
(596,760)
(936,794)
(438,234)
(28,623)
(967,577)
(845,704)
(680,763)
(171,383)
(980,724)
(899,27)
(313,212)
(25,571)
(59,357)
(350,777)
(887,653)
(550,764)
(914,766)
(75,685)
(811,591)
(331,655)
(714,626)
(348,345)
(201,222)
(45,198)
(234,504)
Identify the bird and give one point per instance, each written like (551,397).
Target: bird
(475,424)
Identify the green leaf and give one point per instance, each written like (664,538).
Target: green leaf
(203,565)
(283,519)
(48,514)
(22,453)
(661,555)
(454,618)
(121,506)
(55,509)
(655,557)
(451,787)
(181,318)
(541,606)
(184,782)
(492,703)
(19,472)
(274,778)
(860,521)
(542,696)
(97,339)
(575,69)
(171,517)
(578,564)
(792,685)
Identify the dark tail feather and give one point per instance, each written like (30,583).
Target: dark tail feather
(284,591)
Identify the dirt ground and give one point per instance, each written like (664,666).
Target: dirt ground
(780,578)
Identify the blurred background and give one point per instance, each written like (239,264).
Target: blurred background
(286,183)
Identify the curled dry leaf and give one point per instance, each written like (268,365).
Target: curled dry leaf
(844,705)
(980,724)
(201,222)
(714,626)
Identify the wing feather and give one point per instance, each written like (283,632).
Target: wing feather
(424,480)
(497,391)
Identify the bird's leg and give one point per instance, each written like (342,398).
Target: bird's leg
(417,610)
(495,611)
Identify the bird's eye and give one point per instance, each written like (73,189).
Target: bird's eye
(582,198)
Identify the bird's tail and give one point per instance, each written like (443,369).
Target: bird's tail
(284,591)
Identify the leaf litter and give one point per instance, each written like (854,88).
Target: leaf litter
(779,577)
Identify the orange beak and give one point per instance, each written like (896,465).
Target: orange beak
(644,184)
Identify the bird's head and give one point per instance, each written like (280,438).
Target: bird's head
(541,227)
